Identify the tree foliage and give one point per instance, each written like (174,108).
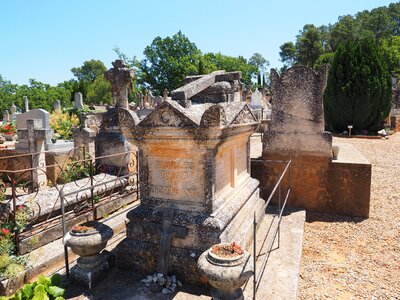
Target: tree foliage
(87,73)
(218,61)
(167,62)
(358,92)
(315,44)
(309,45)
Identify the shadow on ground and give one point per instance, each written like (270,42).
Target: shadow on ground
(126,285)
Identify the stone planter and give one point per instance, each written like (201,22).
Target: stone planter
(91,265)
(226,275)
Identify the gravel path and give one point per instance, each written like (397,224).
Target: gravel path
(354,258)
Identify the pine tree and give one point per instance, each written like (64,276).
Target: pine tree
(358,92)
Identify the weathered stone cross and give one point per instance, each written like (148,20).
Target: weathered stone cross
(120,77)
(167,232)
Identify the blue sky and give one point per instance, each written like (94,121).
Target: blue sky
(45,39)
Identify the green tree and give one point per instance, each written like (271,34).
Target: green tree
(218,61)
(323,59)
(359,88)
(391,51)
(87,73)
(259,61)
(288,54)
(167,62)
(99,91)
(7,91)
(309,45)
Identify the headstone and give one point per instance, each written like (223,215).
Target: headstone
(41,116)
(165,95)
(157,100)
(26,103)
(6,116)
(149,98)
(78,100)
(13,112)
(256,100)
(140,100)
(36,113)
(57,106)
(36,136)
(297,121)
(120,77)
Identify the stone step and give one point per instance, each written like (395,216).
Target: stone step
(49,259)
(280,277)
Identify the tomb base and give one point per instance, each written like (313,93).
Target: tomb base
(233,222)
(90,270)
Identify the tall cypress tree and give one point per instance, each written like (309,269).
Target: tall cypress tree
(358,92)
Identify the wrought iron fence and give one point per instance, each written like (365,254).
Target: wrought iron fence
(278,194)
(90,187)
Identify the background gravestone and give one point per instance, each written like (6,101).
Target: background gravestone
(78,100)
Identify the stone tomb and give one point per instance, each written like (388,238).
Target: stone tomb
(194,170)
(318,182)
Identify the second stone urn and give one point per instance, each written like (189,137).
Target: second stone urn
(227,267)
(88,240)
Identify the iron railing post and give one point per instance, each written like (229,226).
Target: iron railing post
(13,215)
(254,255)
(64,229)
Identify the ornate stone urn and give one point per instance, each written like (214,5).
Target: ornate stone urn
(227,267)
(87,240)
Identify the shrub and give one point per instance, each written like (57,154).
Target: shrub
(358,92)
(4,261)
(64,123)
(44,288)
(13,270)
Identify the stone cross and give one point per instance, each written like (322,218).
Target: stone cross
(167,232)
(57,105)
(165,95)
(140,100)
(26,103)
(120,77)
(13,111)
(37,137)
(6,116)
(78,100)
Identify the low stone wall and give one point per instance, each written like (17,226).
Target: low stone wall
(319,183)
(395,121)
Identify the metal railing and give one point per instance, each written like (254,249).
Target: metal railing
(75,188)
(276,192)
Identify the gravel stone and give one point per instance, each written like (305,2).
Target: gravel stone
(355,258)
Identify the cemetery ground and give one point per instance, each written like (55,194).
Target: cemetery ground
(343,257)
(355,258)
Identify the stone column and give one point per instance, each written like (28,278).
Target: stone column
(26,103)
(57,106)
(37,146)
(78,100)
(120,77)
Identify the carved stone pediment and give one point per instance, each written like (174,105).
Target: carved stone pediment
(169,116)
(244,116)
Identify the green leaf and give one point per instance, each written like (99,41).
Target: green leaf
(40,288)
(55,291)
(56,279)
(41,296)
(43,280)
(27,291)
(60,298)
